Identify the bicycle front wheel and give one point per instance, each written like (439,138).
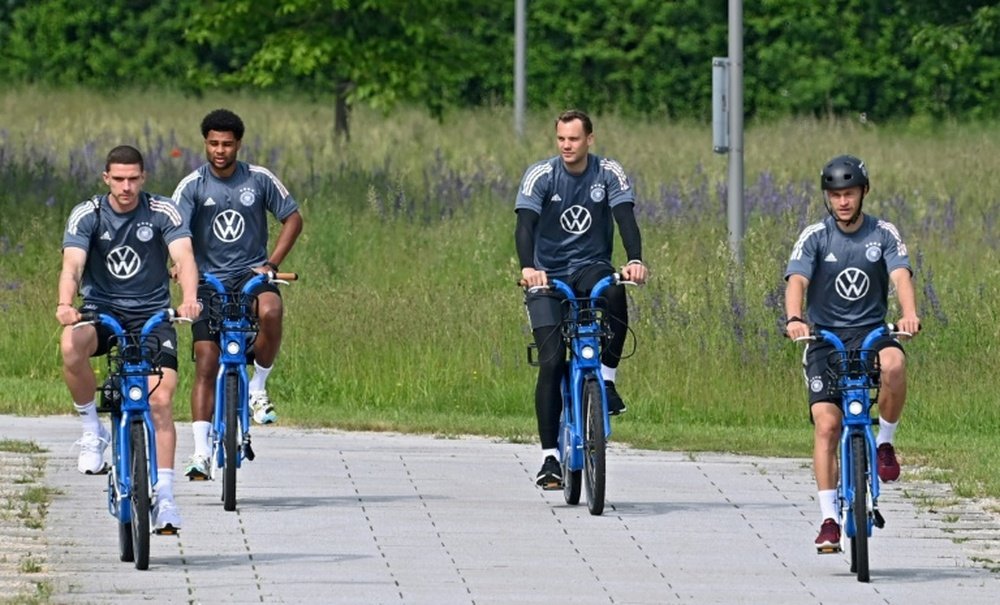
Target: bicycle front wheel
(139,495)
(230,440)
(594,446)
(859,507)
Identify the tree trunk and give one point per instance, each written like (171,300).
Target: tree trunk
(342,111)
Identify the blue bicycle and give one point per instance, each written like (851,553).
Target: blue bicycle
(584,427)
(125,395)
(233,317)
(856,378)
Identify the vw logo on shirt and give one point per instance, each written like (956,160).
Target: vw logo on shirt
(852,283)
(228,226)
(123,262)
(575,220)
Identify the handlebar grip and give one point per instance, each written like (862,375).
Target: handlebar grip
(87,316)
(286,276)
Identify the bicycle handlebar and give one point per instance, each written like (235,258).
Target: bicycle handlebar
(256,280)
(828,336)
(89,318)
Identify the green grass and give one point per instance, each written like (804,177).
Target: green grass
(406,316)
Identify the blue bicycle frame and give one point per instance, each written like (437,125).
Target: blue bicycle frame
(237,329)
(855,385)
(133,389)
(584,364)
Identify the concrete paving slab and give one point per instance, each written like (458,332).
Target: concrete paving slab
(337,517)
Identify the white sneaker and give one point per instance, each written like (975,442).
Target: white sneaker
(262,408)
(92,446)
(197,468)
(166,517)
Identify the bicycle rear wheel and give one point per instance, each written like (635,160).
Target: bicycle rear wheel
(139,495)
(594,446)
(230,440)
(859,507)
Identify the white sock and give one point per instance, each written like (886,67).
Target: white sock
(164,487)
(608,373)
(828,504)
(553,452)
(88,415)
(886,430)
(259,378)
(201,429)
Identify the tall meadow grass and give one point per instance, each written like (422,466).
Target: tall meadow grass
(406,316)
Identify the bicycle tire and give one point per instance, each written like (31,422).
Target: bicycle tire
(119,508)
(571,479)
(594,446)
(859,507)
(230,442)
(139,495)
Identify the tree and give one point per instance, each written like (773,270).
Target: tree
(374,51)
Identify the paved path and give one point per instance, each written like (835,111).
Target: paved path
(334,517)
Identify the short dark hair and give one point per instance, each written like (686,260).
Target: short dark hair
(575,114)
(124,154)
(222,120)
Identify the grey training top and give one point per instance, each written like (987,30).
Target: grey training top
(228,217)
(127,254)
(848,273)
(576,227)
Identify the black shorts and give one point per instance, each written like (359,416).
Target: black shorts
(133,322)
(545,307)
(199,329)
(816,358)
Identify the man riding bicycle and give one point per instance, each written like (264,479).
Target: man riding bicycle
(226,203)
(566,209)
(845,264)
(115,251)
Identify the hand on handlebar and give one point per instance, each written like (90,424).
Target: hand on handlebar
(797,330)
(634,272)
(189,310)
(532,278)
(67,315)
(909,325)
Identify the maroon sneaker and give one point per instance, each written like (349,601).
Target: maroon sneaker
(888,467)
(828,540)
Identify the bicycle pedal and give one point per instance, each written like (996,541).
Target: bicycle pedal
(103,471)
(828,550)
(551,486)
(169,530)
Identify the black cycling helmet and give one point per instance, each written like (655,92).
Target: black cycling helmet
(842,172)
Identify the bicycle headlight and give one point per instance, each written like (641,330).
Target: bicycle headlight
(232,347)
(587,352)
(855,407)
(135,393)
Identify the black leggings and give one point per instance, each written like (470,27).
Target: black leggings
(552,363)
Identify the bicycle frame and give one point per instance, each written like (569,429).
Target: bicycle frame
(583,336)
(856,374)
(134,369)
(237,328)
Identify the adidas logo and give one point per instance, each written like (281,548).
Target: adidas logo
(830,258)
(209,202)
(106,236)
(167,344)
(556,198)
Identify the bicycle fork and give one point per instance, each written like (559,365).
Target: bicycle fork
(120,481)
(847,480)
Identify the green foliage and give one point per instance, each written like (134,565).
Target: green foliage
(106,44)
(885,59)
